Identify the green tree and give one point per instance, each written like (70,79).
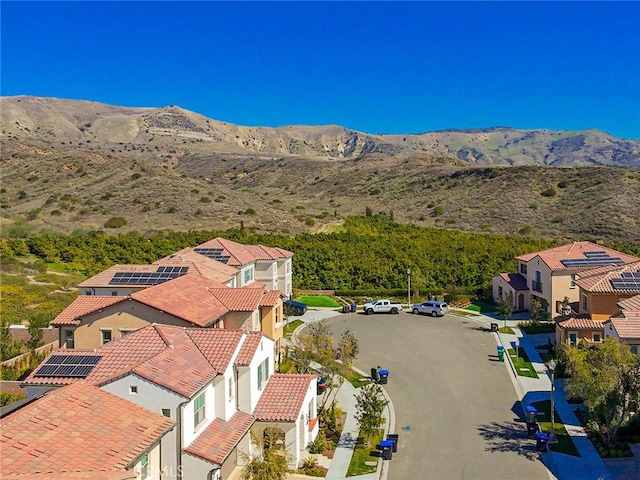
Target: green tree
(348,348)
(370,405)
(505,307)
(269,460)
(538,312)
(607,377)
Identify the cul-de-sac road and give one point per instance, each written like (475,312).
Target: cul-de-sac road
(453,400)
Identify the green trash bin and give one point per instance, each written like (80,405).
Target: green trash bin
(501,353)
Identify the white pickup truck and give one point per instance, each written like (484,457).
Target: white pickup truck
(381,306)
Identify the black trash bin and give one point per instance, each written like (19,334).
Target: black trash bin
(394,438)
(541,441)
(384,376)
(494,327)
(386,446)
(375,376)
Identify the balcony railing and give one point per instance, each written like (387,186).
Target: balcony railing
(536,286)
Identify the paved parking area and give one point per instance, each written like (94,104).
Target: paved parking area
(453,400)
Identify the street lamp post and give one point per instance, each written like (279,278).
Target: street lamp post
(552,433)
(409,289)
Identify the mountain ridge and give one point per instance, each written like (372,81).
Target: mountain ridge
(49,119)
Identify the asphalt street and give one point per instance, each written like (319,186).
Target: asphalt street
(454,401)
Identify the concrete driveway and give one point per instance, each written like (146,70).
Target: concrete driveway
(453,399)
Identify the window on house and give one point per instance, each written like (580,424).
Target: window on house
(596,337)
(106,335)
(133,389)
(198,410)
(523,268)
(500,292)
(114,294)
(88,292)
(144,466)
(248,275)
(573,339)
(230,388)
(635,349)
(166,412)
(68,339)
(585,304)
(573,280)
(263,373)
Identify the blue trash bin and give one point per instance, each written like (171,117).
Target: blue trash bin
(531,414)
(384,376)
(387,447)
(541,441)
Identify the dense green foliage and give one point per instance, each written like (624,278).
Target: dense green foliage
(368,253)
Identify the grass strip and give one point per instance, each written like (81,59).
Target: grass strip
(565,443)
(362,455)
(290,327)
(522,361)
(318,301)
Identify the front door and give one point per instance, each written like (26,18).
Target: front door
(521,301)
(573,339)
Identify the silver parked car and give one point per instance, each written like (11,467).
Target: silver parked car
(431,307)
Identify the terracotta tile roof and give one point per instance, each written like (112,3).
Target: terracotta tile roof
(219,439)
(90,475)
(282,398)
(598,280)
(217,345)
(205,266)
(578,322)
(84,305)
(626,328)
(255,284)
(249,348)
(78,428)
(178,359)
(182,369)
(572,251)
(240,254)
(630,304)
(238,299)
(271,298)
(515,280)
(187,297)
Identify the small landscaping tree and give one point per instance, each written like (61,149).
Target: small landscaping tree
(348,348)
(370,405)
(607,378)
(269,459)
(505,307)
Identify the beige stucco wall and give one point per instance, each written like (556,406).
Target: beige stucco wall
(563,335)
(562,288)
(602,306)
(153,467)
(127,315)
(238,320)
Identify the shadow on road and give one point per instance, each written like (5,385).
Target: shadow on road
(508,437)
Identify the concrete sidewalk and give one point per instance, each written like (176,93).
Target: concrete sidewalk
(589,466)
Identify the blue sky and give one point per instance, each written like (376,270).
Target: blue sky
(376,67)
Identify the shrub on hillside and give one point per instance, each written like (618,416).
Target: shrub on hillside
(115,222)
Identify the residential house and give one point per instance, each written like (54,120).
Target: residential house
(272,266)
(189,300)
(210,381)
(624,326)
(550,275)
(79,432)
(600,291)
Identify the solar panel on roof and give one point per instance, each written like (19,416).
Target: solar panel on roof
(68,366)
(213,253)
(625,283)
(596,253)
(592,262)
(161,275)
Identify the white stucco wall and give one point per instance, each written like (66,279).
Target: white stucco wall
(154,398)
